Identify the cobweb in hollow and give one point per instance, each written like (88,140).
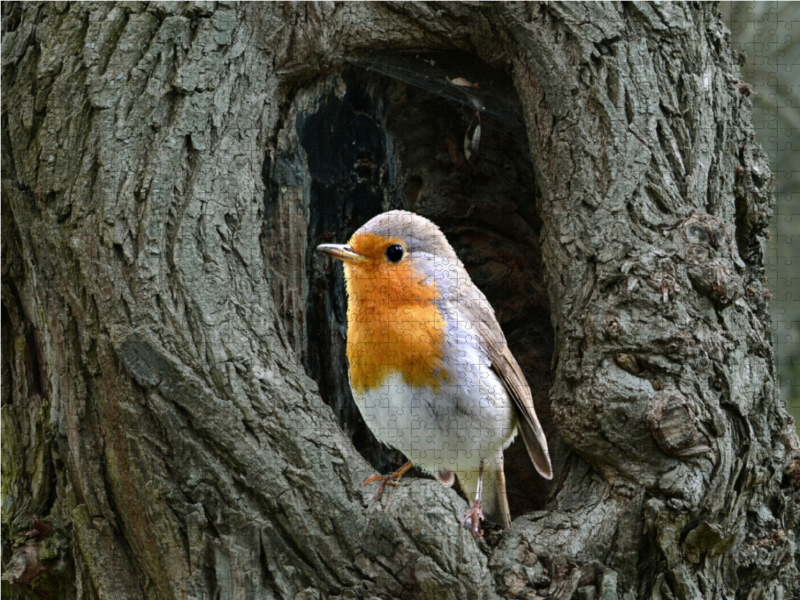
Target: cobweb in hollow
(455,76)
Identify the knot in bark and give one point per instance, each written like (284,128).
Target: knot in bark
(716,281)
(673,424)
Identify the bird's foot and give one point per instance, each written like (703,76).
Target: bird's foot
(472,519)
(392,479)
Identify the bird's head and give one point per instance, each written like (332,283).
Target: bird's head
(400,251)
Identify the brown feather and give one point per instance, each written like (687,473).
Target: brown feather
(506,366)
(481,316)
(502,498)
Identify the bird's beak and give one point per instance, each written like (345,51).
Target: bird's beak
(342,252)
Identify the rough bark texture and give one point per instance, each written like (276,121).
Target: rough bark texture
(175,408)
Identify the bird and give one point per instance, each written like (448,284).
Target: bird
(429,366)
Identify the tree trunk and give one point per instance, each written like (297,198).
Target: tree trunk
(176,416)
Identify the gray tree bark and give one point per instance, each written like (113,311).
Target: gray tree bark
(176,418)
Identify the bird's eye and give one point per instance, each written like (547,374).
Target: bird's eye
(394,253)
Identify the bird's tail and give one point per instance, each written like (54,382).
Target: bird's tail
(493,498)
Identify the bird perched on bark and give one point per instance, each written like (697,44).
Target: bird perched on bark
(429,366)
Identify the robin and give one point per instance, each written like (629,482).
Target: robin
(430,368)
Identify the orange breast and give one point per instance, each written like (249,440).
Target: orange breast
(393,322)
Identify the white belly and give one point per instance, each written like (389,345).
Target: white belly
(469,420)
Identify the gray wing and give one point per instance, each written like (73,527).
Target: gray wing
(505,365)
(507,368)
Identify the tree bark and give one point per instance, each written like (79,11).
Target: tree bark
(176,416)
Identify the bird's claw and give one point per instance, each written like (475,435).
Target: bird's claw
(392,479)
(472,519)
(386,480)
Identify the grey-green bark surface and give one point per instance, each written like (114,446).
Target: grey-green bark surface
(169,336)
(773,80)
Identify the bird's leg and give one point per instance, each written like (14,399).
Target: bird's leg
(473,517)
(388,479)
